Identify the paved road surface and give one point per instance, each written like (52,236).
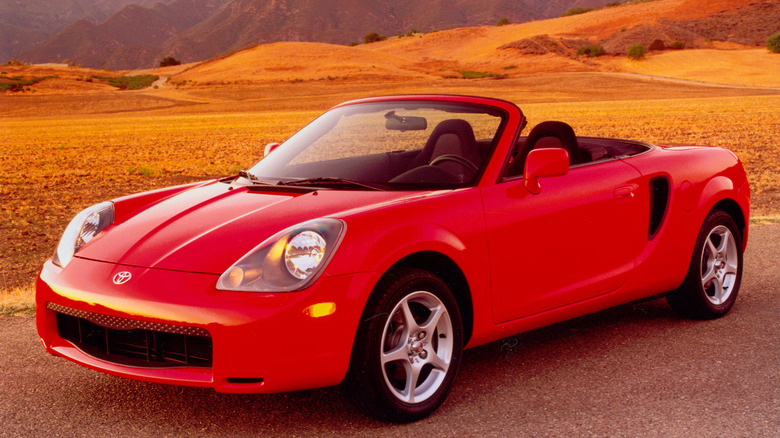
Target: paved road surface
(632,371)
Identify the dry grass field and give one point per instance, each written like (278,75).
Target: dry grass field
(81,149)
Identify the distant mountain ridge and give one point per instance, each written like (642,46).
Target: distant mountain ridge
(139,36)
(27,23)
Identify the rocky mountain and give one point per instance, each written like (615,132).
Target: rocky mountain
(131,37)
(191,30)
(26,23)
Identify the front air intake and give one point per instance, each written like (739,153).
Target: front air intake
(134,343)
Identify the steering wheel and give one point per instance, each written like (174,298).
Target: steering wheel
(456,158)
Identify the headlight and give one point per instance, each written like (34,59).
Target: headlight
(85,226)
(289,260)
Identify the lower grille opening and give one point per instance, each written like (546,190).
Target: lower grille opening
(136,347)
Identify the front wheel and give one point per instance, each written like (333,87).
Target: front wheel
(408,348)
(715,273)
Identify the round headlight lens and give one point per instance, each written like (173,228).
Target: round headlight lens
(288,261)
(304,253)
(83,228)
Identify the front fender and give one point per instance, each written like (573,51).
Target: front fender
(450,223)
(411,239)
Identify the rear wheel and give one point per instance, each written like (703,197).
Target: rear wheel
(408,348)
(712,283)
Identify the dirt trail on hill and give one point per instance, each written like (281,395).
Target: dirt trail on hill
(161,83)
(691,82)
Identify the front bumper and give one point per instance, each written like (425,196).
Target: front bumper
(262,342)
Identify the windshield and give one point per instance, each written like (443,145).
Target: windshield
(389,145)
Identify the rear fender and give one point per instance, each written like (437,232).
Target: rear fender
(717,188)
(721,192)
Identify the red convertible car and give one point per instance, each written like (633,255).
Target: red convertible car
(375,245)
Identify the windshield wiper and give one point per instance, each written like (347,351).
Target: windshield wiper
(247,175)
(328,181)
(254,179)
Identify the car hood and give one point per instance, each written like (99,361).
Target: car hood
(207,229)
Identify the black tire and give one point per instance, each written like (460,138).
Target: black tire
(715,273)
(387,348)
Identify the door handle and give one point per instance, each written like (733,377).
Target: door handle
(625,193)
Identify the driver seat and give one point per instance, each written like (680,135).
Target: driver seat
(450,137)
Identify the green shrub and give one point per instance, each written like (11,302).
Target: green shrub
(128,82)
(18,83)
(373,37)
(636,51)
(773,43)
(576,11)
(169,61)
(677,45)
(611,4)
(503,21)
(468,74)
(592,51)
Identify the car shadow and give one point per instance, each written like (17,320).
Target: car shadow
(504,364)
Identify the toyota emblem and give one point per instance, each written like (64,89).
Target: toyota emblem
(122,277)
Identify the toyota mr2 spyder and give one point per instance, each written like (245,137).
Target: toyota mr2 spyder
(374,246)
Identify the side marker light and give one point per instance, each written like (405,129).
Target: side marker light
(320,309)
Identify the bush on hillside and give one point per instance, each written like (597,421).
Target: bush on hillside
(373,37)
(135,82)
(592,51)
(636,51)
(773,43)
(503,21)
(677,45)
(169,61)
(657,45)
(576,11)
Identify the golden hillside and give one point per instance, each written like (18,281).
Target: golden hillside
(446,54)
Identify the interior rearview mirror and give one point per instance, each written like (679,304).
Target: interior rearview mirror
(395,122)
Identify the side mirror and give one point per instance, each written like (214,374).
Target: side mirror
(269,148)
(543,163)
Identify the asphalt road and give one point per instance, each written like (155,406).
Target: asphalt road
(632,371)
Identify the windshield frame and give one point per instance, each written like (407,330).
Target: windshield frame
(265,171)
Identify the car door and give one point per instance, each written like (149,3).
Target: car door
(576,239)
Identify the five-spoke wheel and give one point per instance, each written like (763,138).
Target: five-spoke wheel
(719,265)
(408,347)
(417,344)
(714,276)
